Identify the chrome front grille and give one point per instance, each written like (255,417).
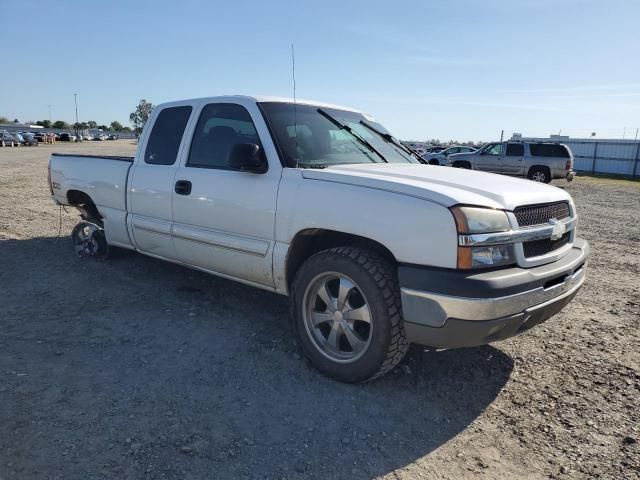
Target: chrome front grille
(528,215)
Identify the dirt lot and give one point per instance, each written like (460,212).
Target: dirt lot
(135,368)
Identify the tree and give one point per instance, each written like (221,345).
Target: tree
(60,124)
(92,124)
(116,126)
(103,127)
(15,120)
(126,129)
(44,123)
(141,114)
(4,120)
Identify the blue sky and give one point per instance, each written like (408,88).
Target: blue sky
(455,69)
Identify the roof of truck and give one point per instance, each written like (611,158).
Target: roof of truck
(266,98)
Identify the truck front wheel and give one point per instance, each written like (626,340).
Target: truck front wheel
(347,314)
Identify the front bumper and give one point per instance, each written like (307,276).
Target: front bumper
(451,309)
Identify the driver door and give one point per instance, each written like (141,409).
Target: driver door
(224,218)
(513,163)
(491,158)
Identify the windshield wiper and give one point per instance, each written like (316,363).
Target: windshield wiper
(348,129)
(389,139)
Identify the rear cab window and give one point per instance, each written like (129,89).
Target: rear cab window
(166,135)
(548,150)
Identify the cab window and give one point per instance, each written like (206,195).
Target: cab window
(493,149)
(166,135)
(220,127)
(515,150)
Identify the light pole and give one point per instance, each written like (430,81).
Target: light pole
(75,98)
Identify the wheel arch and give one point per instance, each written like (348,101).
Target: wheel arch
(309,241)
(462,164)
(83,202)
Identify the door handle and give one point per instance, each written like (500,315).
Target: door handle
(183,187)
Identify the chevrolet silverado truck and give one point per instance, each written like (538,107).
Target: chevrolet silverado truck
(321,203)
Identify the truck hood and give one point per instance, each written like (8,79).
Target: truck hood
(444,185)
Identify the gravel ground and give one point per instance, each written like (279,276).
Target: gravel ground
(136,368)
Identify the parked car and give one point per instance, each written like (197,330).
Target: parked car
(374,249)
(7,139)
(67,137)
(100,137)
(440,158)
(19,138)
(113,136)
(538,161)
(30,140)
(88,137)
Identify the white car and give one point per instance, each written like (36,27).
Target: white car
(440,158)
(322,204)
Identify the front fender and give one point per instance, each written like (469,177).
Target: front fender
(414,230)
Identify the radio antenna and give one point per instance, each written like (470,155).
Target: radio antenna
(295,106)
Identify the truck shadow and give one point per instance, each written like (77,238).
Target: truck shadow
(138,367)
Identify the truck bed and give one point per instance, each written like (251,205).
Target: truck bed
(104,179)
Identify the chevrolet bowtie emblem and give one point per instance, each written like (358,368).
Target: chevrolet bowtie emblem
(558,229)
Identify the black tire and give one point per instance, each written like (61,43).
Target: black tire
(376,278)
(539,174)
(434,162)
(465,165)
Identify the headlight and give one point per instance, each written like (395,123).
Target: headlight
(480,220)
(474,220)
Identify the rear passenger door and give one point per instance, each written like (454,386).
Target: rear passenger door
(150,194)
(490,158)
(225,222)
(513,161)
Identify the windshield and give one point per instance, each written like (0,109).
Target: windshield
(311,136)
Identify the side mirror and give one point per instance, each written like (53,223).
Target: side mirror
(248,157)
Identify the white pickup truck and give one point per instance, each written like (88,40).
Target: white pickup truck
(321,203)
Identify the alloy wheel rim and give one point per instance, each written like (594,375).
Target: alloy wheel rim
(539,177)
(84,241)
(337,317)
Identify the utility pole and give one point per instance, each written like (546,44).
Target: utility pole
(501,135)
(75,98)
(636,137)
